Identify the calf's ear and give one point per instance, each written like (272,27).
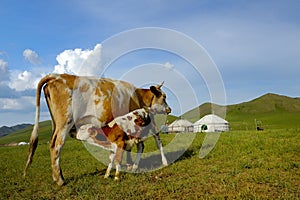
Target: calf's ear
(155,91)
(146,108)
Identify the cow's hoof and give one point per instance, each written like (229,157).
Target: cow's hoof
(134,167)
(164,161)
(117,178)
(60,182)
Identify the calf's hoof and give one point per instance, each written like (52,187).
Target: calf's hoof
(106,175)
(129,167)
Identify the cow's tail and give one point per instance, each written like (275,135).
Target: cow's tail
(34,135)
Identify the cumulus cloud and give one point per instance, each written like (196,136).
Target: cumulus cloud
(80,62)
(21,81)
(31,56)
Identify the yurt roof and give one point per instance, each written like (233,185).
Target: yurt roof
(211,119)
(181,122)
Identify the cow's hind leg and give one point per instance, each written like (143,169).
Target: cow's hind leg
(56,144)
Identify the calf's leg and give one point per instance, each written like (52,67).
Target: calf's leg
(140,149)
(111,158)
(118,160)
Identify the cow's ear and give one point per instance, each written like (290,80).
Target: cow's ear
(155,91)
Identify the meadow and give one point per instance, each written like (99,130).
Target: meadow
(242,165)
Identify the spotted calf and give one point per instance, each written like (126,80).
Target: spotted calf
(121,134)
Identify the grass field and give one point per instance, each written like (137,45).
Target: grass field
(243,165)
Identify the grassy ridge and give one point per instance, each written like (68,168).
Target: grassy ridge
(245,164)
(273,111)
(24,134)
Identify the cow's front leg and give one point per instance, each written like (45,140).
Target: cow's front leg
(129,160)
(160,147)
(129,145)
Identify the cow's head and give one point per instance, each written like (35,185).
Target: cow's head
(159,104)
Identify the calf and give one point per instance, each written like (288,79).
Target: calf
(121,134)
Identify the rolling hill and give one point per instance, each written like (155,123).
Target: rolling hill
(271,110)
(5,130)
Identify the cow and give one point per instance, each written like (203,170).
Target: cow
(74,101)
(121,134)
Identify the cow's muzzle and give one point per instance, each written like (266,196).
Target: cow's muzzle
(168,110)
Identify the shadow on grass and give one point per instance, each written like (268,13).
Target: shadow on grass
(85,175)
(150,163)
(154,162)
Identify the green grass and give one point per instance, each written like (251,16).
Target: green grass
(243,165)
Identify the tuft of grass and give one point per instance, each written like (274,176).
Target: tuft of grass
(242,165)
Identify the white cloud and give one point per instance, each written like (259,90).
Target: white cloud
(169,66)
(31,56)
(80,62)
(22,103)
(21,81)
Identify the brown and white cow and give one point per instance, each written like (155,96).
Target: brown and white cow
(121,134)
(75,101)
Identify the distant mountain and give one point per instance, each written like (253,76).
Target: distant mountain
(270,110)
(5,130)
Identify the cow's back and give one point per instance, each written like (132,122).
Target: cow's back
(88,100)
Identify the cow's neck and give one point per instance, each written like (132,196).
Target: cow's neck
(144,98)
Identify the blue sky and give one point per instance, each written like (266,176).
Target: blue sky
(254,44)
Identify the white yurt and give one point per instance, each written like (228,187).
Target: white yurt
(181,125)
(211,123)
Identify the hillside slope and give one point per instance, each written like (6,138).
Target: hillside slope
(5,130)
(271,110)
(24,134)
